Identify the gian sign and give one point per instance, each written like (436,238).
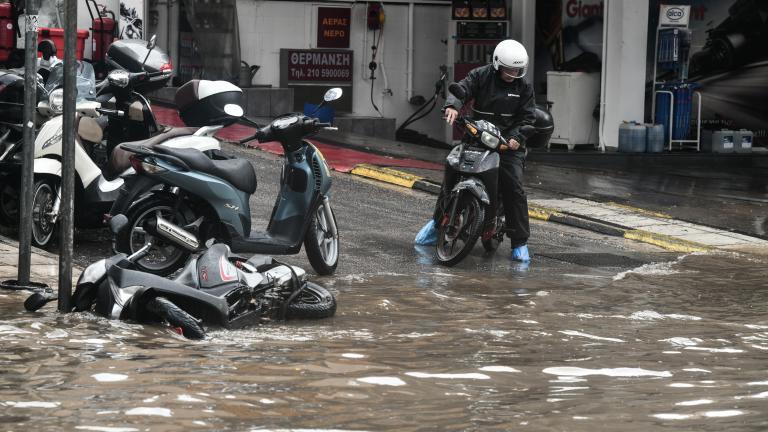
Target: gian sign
(333,26)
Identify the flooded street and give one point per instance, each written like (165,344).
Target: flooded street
(675,345)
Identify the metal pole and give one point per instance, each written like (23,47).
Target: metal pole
(66,217)
(28,142)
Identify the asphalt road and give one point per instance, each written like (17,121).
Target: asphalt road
(378,222)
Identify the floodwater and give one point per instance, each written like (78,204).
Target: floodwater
(678,345)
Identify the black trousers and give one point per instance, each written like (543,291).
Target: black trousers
(513,196)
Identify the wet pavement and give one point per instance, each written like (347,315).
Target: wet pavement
(674,345)
(598,330)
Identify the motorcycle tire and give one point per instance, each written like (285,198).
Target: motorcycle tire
(176,317)
(43,198)
(321,246)
(470,215)
(491,244)
(9,205)
(124,241)
(313,302)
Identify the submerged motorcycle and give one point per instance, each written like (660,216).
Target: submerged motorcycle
(216,288)
(206,199)
(473,208)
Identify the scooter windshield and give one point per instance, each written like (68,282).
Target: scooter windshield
(85,80)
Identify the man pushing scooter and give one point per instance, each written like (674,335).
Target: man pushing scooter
(502,97)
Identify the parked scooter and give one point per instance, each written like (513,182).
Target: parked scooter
(97,187)
(473,207)
(216,288)
(204,199)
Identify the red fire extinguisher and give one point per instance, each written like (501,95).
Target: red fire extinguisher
(7,31)
(103,28)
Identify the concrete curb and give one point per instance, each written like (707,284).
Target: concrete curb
(670,243)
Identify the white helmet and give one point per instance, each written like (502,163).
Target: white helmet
(510,58)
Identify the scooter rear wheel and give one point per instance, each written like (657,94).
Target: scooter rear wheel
(164,257)
(492,243)
(176,317)
(321,245)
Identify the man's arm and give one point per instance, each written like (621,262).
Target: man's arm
(470,83)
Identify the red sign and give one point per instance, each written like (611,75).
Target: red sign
(319,65)
(333,27)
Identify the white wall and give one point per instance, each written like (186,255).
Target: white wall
(267,26)
(623,66)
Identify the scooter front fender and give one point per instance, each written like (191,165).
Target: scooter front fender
(475,187)
(47,166)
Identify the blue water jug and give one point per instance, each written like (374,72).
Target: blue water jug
(654,138)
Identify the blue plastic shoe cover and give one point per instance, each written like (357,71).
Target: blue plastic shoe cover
(427,235)
(520,253)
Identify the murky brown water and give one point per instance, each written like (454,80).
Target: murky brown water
(675,346)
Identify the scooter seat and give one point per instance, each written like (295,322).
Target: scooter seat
(118,160)
(238,172)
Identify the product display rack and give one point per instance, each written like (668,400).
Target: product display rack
(671,53)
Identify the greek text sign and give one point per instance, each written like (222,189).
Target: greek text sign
(319,65)
(333,27)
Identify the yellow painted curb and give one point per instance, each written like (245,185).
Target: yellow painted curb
(664,241)
(639,210)
(386,175)
(539,213)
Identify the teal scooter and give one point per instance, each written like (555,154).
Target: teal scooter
(205,201)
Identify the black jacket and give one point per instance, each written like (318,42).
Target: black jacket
(508,105)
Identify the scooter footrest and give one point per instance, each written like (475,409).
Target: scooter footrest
(246,319)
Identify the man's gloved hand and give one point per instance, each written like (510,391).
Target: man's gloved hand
(450,115)
(512,144)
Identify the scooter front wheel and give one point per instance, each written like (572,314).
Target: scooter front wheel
(43,199)
(458,233)
(314,302)
(165,257)
(322,240)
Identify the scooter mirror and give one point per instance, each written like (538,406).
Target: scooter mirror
(332,94)
(36,301)
(152,42)
(119,78)
(458,90)
(117,223)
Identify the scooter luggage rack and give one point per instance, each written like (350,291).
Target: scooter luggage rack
(681,142)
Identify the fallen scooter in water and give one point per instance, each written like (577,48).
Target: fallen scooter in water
(215,288)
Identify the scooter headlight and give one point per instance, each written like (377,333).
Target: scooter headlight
(491,141)
(56,101)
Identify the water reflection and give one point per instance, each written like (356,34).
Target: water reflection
(666,346)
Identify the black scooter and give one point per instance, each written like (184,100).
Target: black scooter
(216,288)
(473,207)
